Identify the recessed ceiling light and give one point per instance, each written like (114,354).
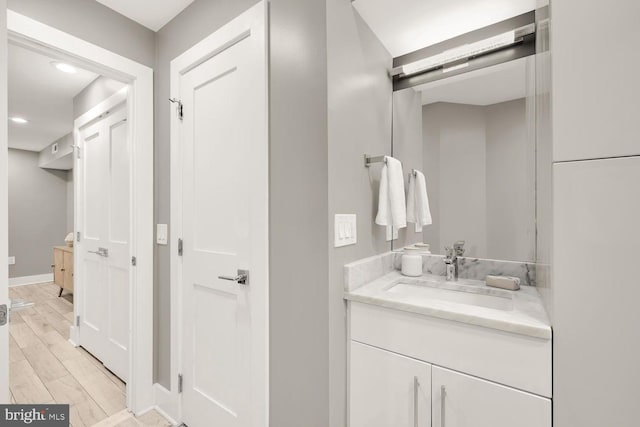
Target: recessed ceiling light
(19,120)
(65,68)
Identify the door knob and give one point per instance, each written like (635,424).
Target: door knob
(242,278)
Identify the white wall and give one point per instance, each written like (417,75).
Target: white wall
(596,206)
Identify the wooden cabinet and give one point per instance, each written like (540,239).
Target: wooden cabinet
(388,389)
(468,401)
(63,268)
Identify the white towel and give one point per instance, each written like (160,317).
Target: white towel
(392,211)
(418,210)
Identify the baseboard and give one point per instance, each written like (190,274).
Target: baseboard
(30,280)
(73,335)
(166,403)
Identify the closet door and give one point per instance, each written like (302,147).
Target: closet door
(103,250)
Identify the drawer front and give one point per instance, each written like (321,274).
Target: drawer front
(515,360)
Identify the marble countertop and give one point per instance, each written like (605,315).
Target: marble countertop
(525,314)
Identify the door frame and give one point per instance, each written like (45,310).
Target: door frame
(255,18)
(37,36)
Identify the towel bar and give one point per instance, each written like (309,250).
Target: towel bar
(369,160)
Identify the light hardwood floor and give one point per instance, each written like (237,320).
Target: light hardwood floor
(46,368)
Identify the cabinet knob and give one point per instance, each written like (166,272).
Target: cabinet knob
(62,269)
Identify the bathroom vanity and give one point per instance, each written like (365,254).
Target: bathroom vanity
(426,352)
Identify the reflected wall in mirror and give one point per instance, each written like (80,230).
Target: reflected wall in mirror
(473,137)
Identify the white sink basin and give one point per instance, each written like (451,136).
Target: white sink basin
(428,290)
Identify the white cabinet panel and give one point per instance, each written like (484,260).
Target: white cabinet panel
(595,78)
(596,293)
(471,402)
(385,388)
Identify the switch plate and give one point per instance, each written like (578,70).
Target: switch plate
(162,232)
(345,230)
(12,260)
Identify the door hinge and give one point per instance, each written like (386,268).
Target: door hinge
(180,244)
(179,383)
(134,261)
(78,236)
(77,320)
(179,106)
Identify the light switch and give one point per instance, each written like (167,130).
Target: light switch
(12,260)
(161,234)
(345,230)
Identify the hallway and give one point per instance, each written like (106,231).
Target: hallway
(46,368)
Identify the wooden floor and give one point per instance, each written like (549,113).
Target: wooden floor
(46,368)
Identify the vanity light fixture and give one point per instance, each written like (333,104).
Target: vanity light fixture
(65,68)
(19,120)
(459,53)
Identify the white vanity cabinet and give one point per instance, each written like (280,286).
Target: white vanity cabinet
(467,401)
(388,389)
(490,378)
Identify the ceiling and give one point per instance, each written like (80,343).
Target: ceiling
(486,86)
(404,26)
(153,14)
(43,95)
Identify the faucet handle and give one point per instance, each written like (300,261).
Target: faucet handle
(459,247)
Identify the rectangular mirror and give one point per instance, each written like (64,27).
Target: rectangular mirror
(472,135)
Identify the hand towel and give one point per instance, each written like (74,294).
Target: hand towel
(418,211)
(392,211)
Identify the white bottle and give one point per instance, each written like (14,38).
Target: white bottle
(412,262)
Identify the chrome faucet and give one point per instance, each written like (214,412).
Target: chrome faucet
(451,260)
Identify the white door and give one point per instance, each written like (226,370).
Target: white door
(103,251)
(387,389)
(468,401)
(224,141)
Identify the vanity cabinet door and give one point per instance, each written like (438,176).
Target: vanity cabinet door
(468,401)
(387,389)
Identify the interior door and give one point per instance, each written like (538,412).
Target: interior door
(224,220)
(103,250)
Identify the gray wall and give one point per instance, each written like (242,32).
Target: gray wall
(97,91)
(298,163)
(408,146)
(37,213)
(93,22)
(70,198)
(596,206)
(359,123)
(511,189)
(62,159)
(479,162)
